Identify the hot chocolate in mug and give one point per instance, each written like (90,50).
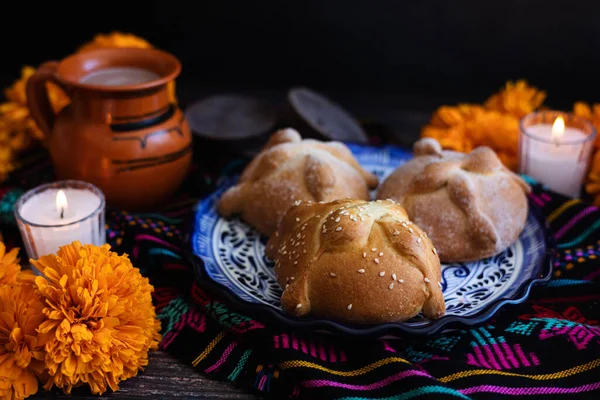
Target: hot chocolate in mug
(121,132)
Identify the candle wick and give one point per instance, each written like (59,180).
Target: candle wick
(62,213)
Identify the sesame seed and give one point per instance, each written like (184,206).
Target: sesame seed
(440,284)
(297,219)
(332,218)
(391,285)
(297,202)
(418,240)
(276,234)
(376,260)
(349,306)
(374,249)
(303,227)
(332,274)
(339,228)
(318,216)
(287,285)
(361,271)
(364,254)
(304,251)
(401,280)
(382,273)
(394,276)
(410,230)
(285,252)
(337,219)
(295,262)
(404,224)
(381,254)
(434,251)
(292,278)
(396,233)
(426,280)
(341,208)
(299,305)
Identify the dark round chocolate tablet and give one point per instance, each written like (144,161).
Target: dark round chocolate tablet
(230,117)
(313,114)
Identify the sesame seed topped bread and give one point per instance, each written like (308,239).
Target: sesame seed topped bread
(357,262)
(289,169)
(470,205)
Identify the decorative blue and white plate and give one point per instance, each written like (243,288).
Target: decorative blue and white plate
(229,259)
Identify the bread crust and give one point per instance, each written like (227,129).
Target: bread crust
(356,262)
(470,205)
(290,169)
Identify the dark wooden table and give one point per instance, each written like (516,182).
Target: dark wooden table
(166,377)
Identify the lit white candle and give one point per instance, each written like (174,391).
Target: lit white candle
(50,217)
(555,155)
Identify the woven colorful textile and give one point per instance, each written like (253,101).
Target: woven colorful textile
(548,346)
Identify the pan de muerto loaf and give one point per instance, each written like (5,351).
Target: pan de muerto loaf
(289,169)
(355,261)
(470,205)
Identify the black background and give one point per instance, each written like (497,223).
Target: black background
(425,52)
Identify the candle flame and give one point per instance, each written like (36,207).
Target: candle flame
(558,129)
(61,201)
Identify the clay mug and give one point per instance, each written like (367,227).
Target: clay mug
(124,134)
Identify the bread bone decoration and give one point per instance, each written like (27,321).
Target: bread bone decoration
(357,262)
(290,169)
(470,205)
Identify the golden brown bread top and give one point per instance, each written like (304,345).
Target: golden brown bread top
(471,205)
(355,261)
(289,169)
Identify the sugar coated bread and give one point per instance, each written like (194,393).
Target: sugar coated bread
(470,205)
(357,262)
(290,169)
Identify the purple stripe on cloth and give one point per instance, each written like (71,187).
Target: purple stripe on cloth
(524,391)
(376,385)
(561,232)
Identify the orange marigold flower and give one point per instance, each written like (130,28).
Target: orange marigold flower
(593,179)
(448,126)
(517,99)
(467,126)
(9,265)
(114,39)
(100,321)
(21,350)
(591,113)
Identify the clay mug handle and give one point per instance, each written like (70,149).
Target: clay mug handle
(38,102)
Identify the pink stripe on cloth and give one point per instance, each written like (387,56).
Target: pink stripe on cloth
(498,352)
(537,200)
(285,341)
(224,357)
(376,385)
(561,232)
(525,391)
(155,239)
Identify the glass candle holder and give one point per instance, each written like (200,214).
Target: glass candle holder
(59,213)
(555,150)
